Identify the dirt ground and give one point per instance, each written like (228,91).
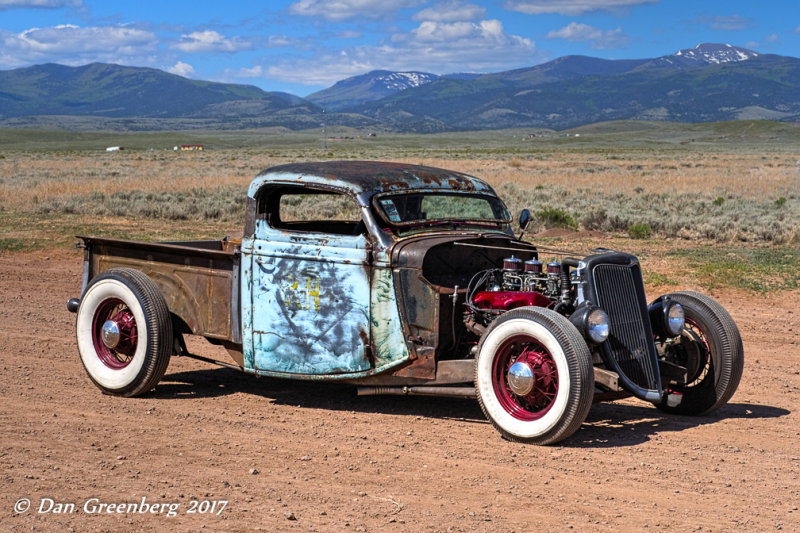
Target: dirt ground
(289,456)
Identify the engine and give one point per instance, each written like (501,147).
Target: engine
(520,283)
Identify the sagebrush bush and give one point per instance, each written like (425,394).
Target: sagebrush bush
(677,215)
(639,231)
(224,204)
(555,217)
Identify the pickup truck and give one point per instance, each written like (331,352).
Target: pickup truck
(404,279)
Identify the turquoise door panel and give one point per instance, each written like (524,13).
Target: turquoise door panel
(309,298)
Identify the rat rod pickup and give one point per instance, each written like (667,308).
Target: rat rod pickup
(404,279)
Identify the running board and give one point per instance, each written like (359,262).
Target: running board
(451,392)
(212,361)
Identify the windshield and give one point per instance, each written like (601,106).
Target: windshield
(433,208)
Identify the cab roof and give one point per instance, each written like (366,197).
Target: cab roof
(366,178)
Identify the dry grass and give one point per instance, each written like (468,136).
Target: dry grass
(748,175)
(719,196)
(26,179)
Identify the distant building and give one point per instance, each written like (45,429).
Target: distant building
(191,148)
(114,148)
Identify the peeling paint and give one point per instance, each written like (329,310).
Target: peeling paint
(387,330)
(309,304)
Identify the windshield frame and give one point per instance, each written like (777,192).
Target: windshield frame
(490,198)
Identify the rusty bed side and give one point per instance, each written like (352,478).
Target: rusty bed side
(198,279)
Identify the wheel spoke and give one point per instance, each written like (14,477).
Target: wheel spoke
(539,400)
(118,355)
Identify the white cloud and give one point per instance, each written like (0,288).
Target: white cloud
(181,69)
(74,45)
(434,32)
(33,4)
(570,7)
(347,9)
(432,47)
(255,72)
(278,41)
(772,38)
(209,41)
(599,39)
(451,11)
(486,31)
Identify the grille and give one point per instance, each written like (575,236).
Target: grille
(620,292)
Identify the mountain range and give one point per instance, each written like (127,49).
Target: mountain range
(710,82)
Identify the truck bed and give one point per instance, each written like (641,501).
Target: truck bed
(198,279)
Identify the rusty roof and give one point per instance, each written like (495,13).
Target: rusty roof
(370,177)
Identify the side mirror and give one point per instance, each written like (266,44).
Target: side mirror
(524,219)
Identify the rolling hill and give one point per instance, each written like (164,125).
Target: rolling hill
(116,91)
(710,82)
(574,90)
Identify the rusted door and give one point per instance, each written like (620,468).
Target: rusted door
(308,310)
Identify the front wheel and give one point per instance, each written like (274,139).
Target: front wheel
(124,332)
(710,348)
(534,376)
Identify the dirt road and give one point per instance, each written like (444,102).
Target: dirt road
(290,456)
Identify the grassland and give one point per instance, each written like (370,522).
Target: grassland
(697,191)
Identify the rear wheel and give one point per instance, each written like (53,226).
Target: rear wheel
(710,348)
(534,376)
(124,332)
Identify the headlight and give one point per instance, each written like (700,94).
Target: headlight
(592,322)
(675,319)
(666,317)
(597,326)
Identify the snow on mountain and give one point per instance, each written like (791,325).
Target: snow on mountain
(369,87)
(715,53)
(400,81)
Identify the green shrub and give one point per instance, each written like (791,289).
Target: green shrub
(718,201)
(639,231)
(554,217)
(780,202)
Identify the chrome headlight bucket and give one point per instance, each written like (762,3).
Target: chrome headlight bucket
(592,322)
(675,318)
(667,317)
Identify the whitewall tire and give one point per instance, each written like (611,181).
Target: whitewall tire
(534,376)
(124,332)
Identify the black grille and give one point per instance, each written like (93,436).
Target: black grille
(620,292)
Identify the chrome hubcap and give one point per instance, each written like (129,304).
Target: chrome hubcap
(520,378)
(110,334)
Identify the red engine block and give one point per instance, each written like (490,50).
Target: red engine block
(507,300)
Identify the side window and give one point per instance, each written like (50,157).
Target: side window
(309,210)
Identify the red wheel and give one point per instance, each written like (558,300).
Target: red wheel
(525,378)
(114,333)
(534,376)
(124,332)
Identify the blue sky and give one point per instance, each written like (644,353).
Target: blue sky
(300,46)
